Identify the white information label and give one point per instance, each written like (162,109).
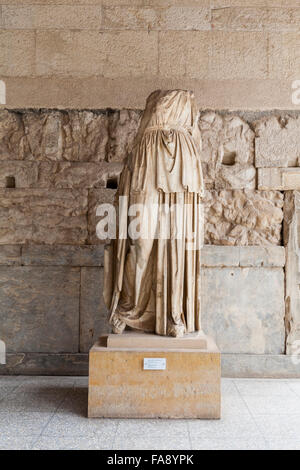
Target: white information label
(155,363)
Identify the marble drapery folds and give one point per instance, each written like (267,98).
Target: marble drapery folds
(152,281)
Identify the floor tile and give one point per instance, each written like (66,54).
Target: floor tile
(8,385)
(69,443)
(32,401)
(47,384)
(279,426)
(77,426)
(229,388)
(159,428)
(51,413)
(16,442)
(276,405)
(144,442)
(227,428)
(229,444)
(233,405)
(268,388)
(75,402)
(6,390)
(294,385)
(11,379)
(284,444)
(23,423)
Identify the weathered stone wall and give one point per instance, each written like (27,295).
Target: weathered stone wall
(76,75)
(57,166)
(113,53)
(64,163)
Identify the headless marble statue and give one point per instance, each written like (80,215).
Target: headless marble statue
(152,282)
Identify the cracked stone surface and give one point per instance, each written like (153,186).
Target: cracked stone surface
(227,151)
(277,142)
(243,217)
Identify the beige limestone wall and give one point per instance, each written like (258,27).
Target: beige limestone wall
(101,53)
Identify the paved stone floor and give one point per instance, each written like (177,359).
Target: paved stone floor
(50,413)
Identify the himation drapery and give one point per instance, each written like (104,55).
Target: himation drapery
(152,275)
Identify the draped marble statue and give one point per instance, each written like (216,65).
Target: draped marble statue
(152,281)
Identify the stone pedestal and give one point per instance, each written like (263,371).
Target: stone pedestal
(142,340)
(188,387)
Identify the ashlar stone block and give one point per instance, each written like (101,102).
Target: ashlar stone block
(238,55)
(184,54)
(243,309)
(129,17)
(54,16)
(179,17)
(93,312)
(71,52)
(284,57)
(256,17)
(129,53)
(277,142)
(17,53)
(39,308)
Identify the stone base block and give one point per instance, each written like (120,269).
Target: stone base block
(188,387)
(141,340)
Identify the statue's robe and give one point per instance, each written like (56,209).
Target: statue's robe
(152,283)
